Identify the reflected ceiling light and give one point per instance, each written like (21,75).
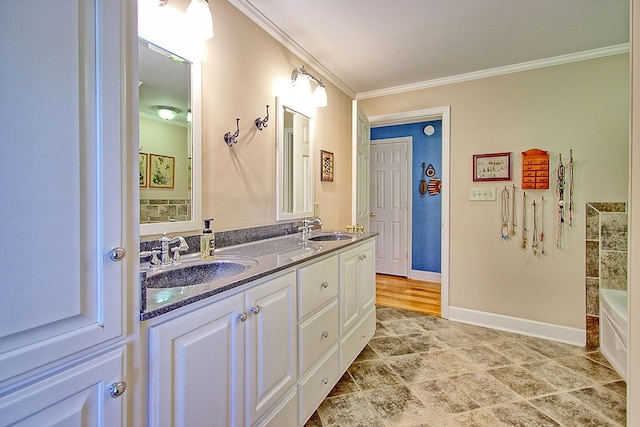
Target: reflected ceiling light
(200,19)
(167,113)
(300,79)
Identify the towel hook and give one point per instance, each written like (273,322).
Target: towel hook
(260,124)
(230,138)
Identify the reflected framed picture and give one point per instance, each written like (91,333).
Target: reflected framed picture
(492,167)
(143,161)
(326,166)
(162,171)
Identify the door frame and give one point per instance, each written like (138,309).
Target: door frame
(408,141)
(436,113)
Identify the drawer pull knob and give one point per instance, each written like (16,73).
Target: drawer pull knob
(325,335)
(324,285)
(325,380)
(117,389)
(363,336)
(256,309)
(242,317)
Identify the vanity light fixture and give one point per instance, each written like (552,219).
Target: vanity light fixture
(167,113)
(261,124)
(200,19)
(300,79)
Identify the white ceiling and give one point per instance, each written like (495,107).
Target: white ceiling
(365,46)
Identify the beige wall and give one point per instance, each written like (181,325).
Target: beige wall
(243,69)
(583,106)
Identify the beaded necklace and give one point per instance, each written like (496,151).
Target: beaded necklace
(524,220)
(512,232)
(504,214)
(560,191)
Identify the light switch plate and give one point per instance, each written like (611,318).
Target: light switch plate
(316,209)
(482,193)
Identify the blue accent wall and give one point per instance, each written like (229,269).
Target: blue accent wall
(426,211)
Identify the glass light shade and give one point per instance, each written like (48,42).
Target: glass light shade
(200,19)
(302,87)
(167,113)
(320,96)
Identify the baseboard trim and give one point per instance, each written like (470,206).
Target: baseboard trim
(518,325)
(427,276)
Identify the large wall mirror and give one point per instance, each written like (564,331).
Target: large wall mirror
(294,163)
(170,141)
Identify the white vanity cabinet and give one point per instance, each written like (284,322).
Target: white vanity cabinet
(62,311)
(229,363)
(357,300)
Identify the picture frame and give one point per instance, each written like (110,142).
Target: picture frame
(162,171)
(492,167)
(143,161)
(326,166)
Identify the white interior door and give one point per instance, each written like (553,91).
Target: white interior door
(389,206)
(362,132)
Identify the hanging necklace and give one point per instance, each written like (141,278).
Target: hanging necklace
(504,213)
(512,232)
(524,220)
(570,188)
(534,243)
(560,191)
(542,225)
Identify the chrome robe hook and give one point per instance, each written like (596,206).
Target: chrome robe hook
(232,138)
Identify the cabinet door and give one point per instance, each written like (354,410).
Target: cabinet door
(195,364)
(75,397)
(61,169)
(349,294)
(271,343)
(367,275)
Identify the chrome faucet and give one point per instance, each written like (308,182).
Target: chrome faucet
(306,227)
(165,242)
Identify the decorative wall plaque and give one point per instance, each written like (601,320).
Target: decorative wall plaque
(535,169)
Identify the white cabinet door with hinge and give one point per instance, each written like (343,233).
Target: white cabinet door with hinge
(271,343)
(357,284)
(61,169)
(196,367)
(89,394)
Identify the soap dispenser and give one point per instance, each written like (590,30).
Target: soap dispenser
(207,240)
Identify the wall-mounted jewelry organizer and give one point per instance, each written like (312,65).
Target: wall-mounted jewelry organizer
(535,169)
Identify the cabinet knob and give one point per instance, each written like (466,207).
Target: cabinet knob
(255,310)
(372,214)
(117,254)
(242,317)
(325,335)
(325,380)
(324,285)
(363,336)
(117,389)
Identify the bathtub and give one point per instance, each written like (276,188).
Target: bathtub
(613,328)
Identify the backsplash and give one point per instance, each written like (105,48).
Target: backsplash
(606,258)
(164,210)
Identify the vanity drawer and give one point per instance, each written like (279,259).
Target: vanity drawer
(317,385)
(316,335)
(354,342)
(317,284)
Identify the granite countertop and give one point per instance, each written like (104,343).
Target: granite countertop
(264,257)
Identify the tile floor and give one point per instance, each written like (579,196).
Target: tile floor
(421,370)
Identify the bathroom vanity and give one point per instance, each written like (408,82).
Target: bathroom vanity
(267,345)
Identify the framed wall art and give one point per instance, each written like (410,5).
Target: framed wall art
(326,166)
(492,167)
(143,161)
(162,171)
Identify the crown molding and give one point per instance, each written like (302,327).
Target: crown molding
(492,72)
(274,31)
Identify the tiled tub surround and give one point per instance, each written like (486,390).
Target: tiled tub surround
(606,259)
(421,370)
(270,255)
(164,210)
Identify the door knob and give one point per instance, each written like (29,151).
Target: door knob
(372,214)
(117,254)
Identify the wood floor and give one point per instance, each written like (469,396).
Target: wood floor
(408,294)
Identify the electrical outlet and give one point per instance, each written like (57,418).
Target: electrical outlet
(482,193)
(316,209)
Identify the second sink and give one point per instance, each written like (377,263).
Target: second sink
(331,236)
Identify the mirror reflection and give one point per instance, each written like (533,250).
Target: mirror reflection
(165,135)
(295,166)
